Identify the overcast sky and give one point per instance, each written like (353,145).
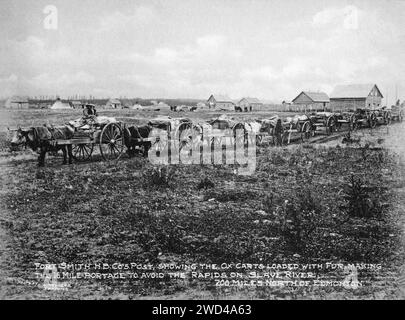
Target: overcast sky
(189,48)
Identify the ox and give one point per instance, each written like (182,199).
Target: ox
(133,137)
(42,140)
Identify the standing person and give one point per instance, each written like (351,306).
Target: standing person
(278,132)
(89,110)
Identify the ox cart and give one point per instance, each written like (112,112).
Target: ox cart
(299,127)
(382,116)
(323,121)
(163,134)
(224,127)
(181,132)
(106,133)
(345,118)
(396,113)
(365,118)
(177,136)
(271,129)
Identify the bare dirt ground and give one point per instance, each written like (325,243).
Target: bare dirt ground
(300,206)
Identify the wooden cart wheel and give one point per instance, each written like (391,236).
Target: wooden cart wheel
(286,134)
(82,152)
(188,135)
(240,134)
(112,142)
(373,120)
(306,131)
(159,141)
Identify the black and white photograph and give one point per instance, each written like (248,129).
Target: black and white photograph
(202,150)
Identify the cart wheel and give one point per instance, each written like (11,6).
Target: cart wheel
(112,142)
(306,131)
(82,152)
(373,120)
(188,134)
(240,134)
(160,141)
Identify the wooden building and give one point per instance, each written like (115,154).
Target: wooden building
(114,104)
(17,102)
(76,104)
(355,96)
(220,102)
(312,101)
(250,104)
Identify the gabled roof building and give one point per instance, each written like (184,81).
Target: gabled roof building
(356,96)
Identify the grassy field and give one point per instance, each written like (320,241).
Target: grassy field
(304,204)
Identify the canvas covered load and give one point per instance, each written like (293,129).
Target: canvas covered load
(296,119)
(86,123)
(222,122)
(267,124)
(166,122)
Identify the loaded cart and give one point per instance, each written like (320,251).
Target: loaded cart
(300,127)
(396,112)
(324,121)
(180,131)
(345,118)
(224,127)
(102,132)
(271,129)
(382,115)
(365,118)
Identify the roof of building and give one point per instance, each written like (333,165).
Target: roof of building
(315,96)
(18,99)
(221,98)
(251,100)
(353,91)
(114,101)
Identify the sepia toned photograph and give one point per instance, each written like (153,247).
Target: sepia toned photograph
(202,150)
